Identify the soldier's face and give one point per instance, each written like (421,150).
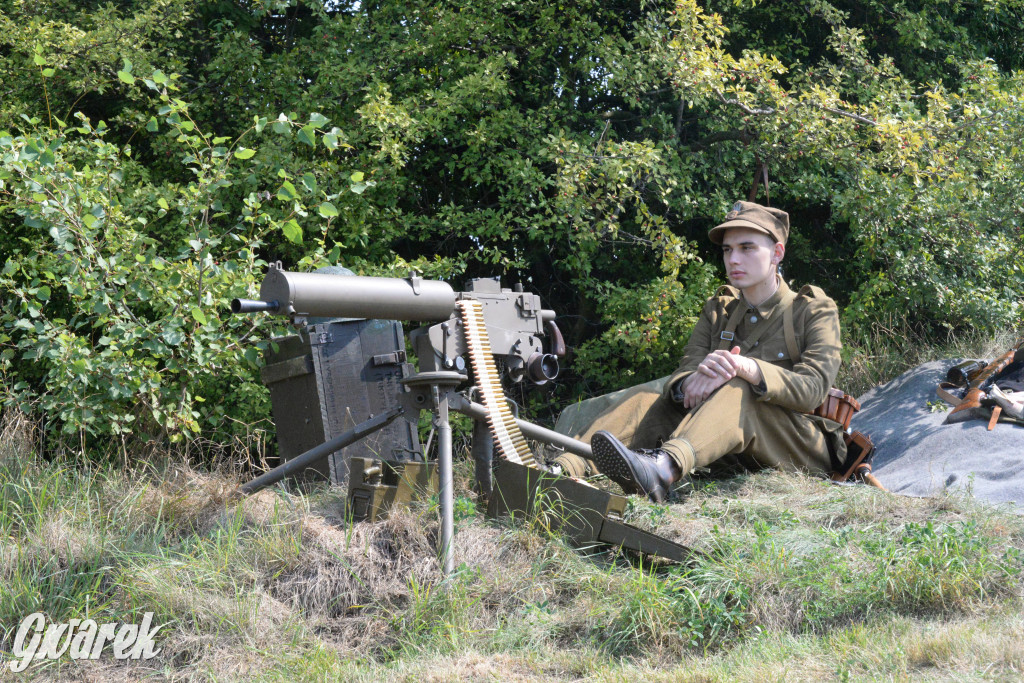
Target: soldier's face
(750,257)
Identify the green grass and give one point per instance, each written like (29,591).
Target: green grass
(802,580)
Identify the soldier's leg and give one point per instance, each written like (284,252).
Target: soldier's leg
(733,421)
(639,416)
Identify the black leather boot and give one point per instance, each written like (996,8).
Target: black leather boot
(650,472)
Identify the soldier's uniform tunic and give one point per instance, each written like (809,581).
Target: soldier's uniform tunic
(765,425)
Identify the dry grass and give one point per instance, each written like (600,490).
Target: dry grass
(891,348)
(279,586)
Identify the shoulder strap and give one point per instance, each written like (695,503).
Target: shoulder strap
(787,321)
(790,332)
(727,339)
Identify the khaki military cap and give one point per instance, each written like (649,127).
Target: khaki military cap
(771,221)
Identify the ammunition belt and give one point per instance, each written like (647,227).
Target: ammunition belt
(508,439)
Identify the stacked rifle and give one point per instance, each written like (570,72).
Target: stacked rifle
(988,390)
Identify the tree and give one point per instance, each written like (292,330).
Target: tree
(583,149)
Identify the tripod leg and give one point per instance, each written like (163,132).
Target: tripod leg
(446,496)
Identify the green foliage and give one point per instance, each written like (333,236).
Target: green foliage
(159,152)
(112,331)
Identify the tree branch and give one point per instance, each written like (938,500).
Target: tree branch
(745,108)
(850,115)
(769,110)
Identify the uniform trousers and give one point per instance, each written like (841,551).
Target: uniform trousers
(730,422)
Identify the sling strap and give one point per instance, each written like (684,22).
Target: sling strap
(790,332)
(727,339)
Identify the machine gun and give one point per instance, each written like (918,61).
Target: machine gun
(457,371)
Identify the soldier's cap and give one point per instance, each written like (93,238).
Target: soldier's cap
(771,221)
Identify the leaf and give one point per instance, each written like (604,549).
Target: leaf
(198,315)
(309,180)
(39,60)
(48,73)
(287,192)
(162,203)
(173,336)
(357,177)
(159,77)
(327,210)
(330,141)
(292,231)
(318,120)
(126,77)
(43,293)
(307,134)
(152,126)
(243,153)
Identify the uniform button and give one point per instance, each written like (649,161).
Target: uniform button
(753,318)
(781,354)
(756,343)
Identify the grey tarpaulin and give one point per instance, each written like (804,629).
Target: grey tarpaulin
(917,455)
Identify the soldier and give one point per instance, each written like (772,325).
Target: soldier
(760,359)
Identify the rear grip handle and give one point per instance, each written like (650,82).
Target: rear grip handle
(557,342)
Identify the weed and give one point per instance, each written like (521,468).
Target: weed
(438,616)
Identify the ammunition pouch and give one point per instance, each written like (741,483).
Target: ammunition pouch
(838,407)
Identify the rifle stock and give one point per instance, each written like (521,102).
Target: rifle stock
(970,408)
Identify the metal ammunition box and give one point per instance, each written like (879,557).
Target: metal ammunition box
(375,486)
(583,514)
(329,378)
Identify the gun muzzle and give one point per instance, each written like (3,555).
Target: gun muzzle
(253,306)
(542,368)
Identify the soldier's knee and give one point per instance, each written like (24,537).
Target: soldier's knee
(736,388)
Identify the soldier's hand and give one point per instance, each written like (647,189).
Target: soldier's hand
(698,386)
(746,368)
(721,364)
(717,368)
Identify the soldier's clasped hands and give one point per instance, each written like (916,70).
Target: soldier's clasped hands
(717,368)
